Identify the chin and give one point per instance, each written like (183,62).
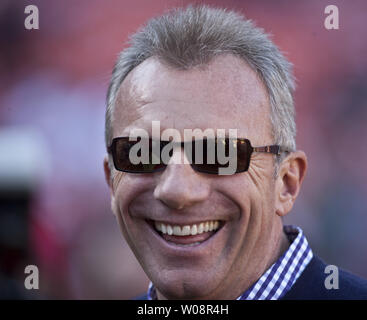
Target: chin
(191,287)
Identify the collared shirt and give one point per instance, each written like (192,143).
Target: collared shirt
(281,275)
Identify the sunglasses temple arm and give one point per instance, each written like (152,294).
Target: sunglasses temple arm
(270,149)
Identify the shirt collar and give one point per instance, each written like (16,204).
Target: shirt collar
(281,275)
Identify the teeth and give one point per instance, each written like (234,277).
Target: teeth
(186,245)
(201,228)
(194,230)
(159,226)
(177,231)
(169,230)
(164,228)
(187,230)
(206,228)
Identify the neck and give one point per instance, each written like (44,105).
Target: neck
(278,245)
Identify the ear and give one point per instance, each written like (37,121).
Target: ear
(289,180)
(108,177)
(107,173)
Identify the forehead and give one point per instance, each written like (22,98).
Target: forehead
(224,94)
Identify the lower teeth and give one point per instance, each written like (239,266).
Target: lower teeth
(185,245)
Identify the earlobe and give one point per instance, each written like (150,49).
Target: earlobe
(291,174)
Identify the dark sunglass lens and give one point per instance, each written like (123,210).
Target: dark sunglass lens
(207,155)
(243,155)
(216,154)
(123,156)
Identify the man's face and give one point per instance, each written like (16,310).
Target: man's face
(225,94)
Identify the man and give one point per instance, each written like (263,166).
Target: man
(197,233)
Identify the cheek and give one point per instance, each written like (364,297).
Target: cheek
(126,225)
(127,188)
(241,191)
(261,182)
(122,226)
(254,197)
(117,209)
(261,218)
(119,203)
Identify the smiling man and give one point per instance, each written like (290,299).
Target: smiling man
(199,234)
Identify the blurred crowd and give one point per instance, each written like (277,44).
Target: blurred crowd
(54,202)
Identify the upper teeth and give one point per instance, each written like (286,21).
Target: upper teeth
(188,229)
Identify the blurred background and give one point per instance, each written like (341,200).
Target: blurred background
(54,202)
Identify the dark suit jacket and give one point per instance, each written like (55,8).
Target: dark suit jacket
(311,285)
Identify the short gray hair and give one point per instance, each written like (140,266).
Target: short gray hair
(192,36)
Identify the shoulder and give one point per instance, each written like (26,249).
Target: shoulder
(311,284)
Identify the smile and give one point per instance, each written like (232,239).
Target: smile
(187,235)
(187,230)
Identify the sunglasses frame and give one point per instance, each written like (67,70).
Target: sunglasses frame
(272,149)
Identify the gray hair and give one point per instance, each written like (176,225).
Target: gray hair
(185,38)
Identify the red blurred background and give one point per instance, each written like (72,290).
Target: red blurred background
(55,209)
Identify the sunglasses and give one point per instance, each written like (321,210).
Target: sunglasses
(205,160)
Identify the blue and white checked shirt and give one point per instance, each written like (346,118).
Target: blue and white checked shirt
(281,275)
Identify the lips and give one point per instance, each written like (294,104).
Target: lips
(188,234)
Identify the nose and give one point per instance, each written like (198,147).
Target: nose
(179,186)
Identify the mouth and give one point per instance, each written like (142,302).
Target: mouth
(187,235)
